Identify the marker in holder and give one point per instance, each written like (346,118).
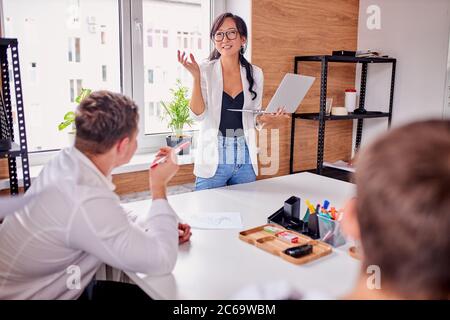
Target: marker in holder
(319,223)
(313,226)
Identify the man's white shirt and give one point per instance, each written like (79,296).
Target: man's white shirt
(52,248)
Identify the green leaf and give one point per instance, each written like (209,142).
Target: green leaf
(177,110)
(64,125)
(83,94)
(69,116)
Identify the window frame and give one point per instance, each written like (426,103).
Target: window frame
(147,142)
(132,39)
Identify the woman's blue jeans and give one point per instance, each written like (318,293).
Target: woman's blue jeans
(234,166)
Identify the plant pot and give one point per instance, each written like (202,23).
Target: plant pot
(172,141)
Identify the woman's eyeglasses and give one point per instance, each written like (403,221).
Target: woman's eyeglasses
(230,34)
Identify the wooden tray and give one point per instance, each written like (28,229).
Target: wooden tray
(272,244)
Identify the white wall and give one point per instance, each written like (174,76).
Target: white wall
(242,8)
(416,32)
(218,6)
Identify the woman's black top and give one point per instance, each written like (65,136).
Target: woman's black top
(231,122)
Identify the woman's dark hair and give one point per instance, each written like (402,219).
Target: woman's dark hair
(242,29)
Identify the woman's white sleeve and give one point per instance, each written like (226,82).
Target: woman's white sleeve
(204,91)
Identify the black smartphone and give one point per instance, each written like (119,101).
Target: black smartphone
(299,251)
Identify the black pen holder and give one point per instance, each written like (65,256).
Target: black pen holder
(292,208)
(289,217)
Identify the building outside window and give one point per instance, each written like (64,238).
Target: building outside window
(74,49)
(172,32)
(150,76)
(104,73)
(87,43)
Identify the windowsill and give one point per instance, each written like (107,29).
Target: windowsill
(142,161)
(139,162)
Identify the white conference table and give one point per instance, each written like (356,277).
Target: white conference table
(216,264)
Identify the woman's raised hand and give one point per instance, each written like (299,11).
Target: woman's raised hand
(191,66)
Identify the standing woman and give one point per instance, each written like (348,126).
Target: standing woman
(226,152)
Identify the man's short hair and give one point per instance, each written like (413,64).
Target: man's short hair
(102,119)
(403,205)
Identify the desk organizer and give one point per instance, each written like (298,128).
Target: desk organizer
(330,231)
(289,222)
(274,245)
(318,223)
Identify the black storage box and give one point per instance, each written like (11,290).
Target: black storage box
(289,217)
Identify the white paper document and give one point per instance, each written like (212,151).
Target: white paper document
(213,220)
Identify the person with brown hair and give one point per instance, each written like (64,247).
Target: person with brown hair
(401,214)
(53,247)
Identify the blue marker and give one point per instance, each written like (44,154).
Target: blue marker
(326,203)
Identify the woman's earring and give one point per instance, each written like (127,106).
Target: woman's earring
(243,49)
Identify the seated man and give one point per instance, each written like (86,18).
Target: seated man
(53,247)
(400,216)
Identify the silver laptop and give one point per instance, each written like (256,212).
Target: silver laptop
(289,94)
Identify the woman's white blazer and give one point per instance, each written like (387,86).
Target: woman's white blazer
(207,154)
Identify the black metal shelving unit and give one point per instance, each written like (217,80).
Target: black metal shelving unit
(360,113)
(18,148)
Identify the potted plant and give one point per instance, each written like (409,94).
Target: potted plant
(177,115)
(69,117)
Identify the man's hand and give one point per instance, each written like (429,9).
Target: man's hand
(184,232)
(160,175)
